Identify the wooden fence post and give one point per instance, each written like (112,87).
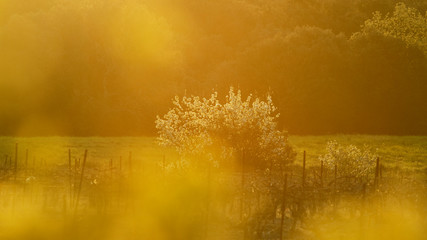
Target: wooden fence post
(26,159)
(80,184)
(321,173)
(303,172)
(377,173)
(335,184)
(70,176)
(120,165)
(282,219)
(16,160)
(111,168)
(130,161)
(242,203)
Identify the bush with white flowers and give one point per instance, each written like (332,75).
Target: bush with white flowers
(236,129)
(351,161)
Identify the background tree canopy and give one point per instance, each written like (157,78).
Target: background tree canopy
(108,68)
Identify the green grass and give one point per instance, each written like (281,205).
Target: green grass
(55,149)
(409,152)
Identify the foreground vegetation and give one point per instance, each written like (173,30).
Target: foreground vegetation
(127,188)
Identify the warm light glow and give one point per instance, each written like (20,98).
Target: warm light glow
(213,119)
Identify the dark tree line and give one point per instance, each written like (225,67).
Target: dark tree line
(108,68)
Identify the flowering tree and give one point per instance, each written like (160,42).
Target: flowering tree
(405,23)
(352,162)
(237,129)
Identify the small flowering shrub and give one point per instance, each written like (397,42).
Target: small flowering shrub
(237,129)
(351,161)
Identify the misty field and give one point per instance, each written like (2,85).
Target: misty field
(129,188)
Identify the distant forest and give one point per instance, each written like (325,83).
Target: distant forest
(108,68)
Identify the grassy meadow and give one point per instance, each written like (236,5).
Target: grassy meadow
(129,188)
(406,152)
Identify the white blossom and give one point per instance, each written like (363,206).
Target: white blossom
(351,161)
(200,126)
